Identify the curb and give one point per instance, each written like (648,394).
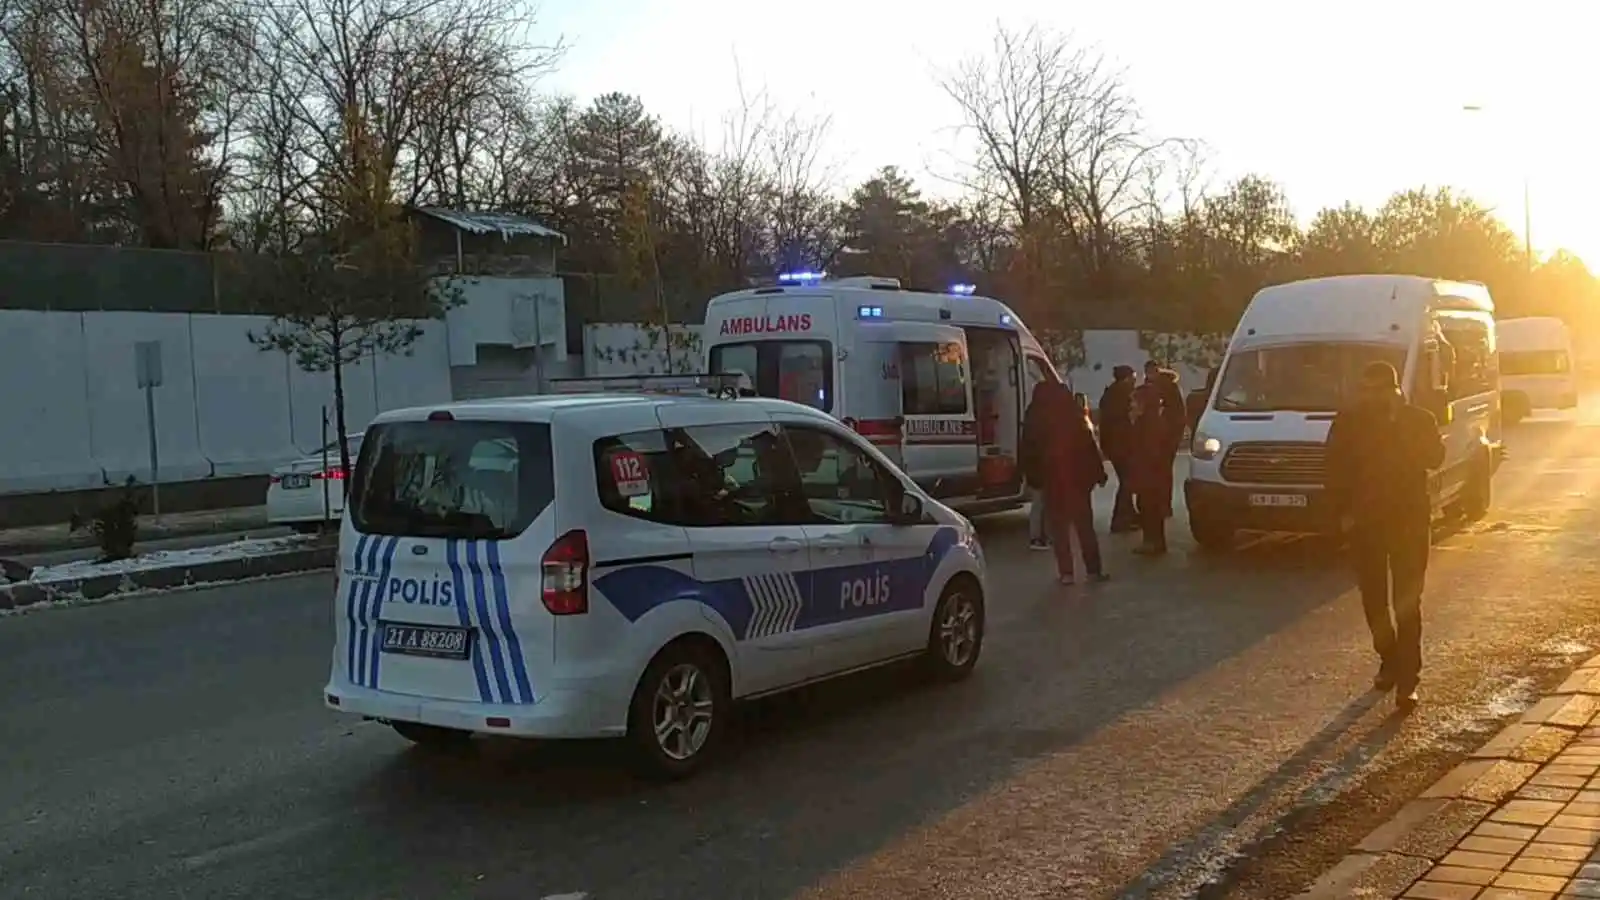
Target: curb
(300,559)
(1396,853)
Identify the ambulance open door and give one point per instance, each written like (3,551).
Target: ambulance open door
(925,383)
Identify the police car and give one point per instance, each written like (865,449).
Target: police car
(629,564)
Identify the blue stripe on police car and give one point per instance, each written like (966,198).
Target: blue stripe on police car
(475,587)
(452,555)
(760,606)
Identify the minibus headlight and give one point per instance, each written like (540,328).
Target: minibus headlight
(1205,447)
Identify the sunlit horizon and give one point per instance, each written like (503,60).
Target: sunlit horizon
(1346,107)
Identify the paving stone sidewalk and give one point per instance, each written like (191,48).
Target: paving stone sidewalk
(1519,820)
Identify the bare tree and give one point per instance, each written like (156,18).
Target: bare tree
(1061,146)
(806,224)
(354,288)
(158,78)
(423,73)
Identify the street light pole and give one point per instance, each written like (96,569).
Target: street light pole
(1527,205)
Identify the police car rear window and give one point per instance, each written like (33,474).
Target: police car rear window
(452,479)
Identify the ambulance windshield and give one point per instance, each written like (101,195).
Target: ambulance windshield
(801,371)
(458,479)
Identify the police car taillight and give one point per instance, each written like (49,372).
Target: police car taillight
(566,575)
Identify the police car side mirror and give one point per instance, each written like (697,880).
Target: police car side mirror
(910,511)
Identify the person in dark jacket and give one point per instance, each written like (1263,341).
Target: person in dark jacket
(1060,458)
(1157,432)
(1379,454)
(1114,441)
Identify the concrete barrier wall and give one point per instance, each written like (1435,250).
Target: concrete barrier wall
(75,416)
(625,348)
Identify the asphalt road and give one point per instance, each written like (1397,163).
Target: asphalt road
(1126,741)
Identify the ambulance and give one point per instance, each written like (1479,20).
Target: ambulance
(937,381)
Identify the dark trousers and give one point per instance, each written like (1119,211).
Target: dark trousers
(1391,561)
(1153,521)
(1072,512)
(1123,511)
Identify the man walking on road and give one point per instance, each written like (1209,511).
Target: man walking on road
(1379,454)
(1116,442)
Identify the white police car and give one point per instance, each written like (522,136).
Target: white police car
(630,564)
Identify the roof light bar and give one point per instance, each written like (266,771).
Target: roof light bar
(801,277)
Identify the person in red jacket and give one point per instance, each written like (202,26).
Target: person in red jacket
(1061,459)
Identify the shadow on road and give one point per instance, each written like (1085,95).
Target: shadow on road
(854,764)
(1342,729)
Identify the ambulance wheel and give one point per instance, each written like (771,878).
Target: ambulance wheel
(680,709)
(955,637)
(431,736)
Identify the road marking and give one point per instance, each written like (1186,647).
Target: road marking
(261,842)
(578,895)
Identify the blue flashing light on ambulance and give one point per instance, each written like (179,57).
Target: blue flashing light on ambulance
(938,381)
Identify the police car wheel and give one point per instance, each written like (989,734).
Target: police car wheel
(431,736)
(955,639)
(679,710)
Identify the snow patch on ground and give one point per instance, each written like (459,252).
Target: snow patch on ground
(1564,646)
(66,601)
(1501,698)
(168,559)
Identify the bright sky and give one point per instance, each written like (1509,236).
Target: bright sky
(1352,100)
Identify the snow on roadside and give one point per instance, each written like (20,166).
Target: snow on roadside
(167,559)
(66,601)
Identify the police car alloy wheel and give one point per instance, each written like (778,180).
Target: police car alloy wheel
(679,710)
(956,636)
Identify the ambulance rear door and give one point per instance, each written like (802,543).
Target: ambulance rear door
(939,433)
(783,341)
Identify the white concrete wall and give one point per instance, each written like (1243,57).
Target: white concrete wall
(517,312)
(625,348)
(75,416)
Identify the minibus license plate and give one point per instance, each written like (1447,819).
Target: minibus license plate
(1277,499)
(295,482)
(425,640)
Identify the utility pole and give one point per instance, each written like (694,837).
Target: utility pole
(1527,203)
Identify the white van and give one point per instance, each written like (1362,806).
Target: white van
(1535,366)
(938,382)
(628,564)
(1296,359)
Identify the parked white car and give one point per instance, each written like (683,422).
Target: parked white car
(308,494)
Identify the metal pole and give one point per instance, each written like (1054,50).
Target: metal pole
(538,345)
(155,454)
(1527,222)
(327,501)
